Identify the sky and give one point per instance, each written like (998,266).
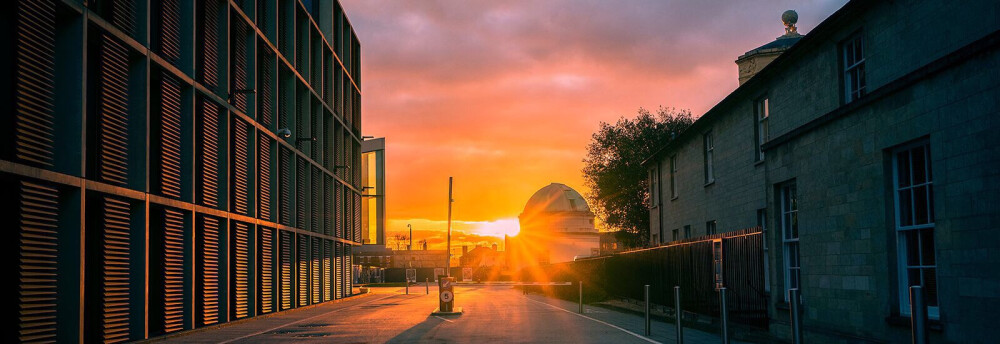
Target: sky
(505,95)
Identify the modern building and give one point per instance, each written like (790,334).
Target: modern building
(176,164)
(556,226)
(373,184)
(867,150)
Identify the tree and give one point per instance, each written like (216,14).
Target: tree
(614,173)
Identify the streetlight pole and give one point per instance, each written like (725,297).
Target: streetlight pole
(410,247)
(447,269)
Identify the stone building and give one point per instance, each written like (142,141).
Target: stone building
(867,151)
(556,226)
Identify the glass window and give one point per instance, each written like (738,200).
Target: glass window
(853,51)
(687,231)
(761,114)
(709,158)
(790,237)
(673,176)
(710,227)
(914,209)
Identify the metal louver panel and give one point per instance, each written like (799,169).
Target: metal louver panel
(209,54)
(35,84)
(170,33)
(315,277)
(266,276)
(38,259)
(113,118)
(115,247)
(123,16)
(264,177)
(339,268)
(241,167)
(208,268)
(284,114)
(349,270)
(240,260)
(357,217)
(169,137)
(338,93)
(303,271)
(301,193)
(348,212)
(338,209)
(208,161)
(327,270)
(287,264)
(328,210)
(172,268)
(316,210)
(349,273)
(264,15)
(239,65)
(284,186)
(265,78)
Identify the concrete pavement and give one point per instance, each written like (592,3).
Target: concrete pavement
(493,314)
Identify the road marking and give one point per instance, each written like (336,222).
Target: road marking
(451,321)
(301,320)
(602,322)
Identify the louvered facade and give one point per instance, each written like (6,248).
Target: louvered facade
(175,164)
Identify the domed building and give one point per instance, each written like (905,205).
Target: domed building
(556,226)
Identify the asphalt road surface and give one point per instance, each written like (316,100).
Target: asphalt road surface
(493,314)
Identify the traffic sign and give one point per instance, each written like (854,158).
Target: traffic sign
(447,296)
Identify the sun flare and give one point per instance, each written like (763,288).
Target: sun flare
(498,228)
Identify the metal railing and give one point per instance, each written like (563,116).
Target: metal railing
(690,264)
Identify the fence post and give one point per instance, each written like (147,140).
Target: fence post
(794,307)
(647,309)
(724,313)
(580,283)
(918,315)
(677,314)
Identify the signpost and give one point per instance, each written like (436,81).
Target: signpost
(411,275)
(446,297)
(466,274)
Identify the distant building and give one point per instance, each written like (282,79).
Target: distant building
(867,150)
(556,226)
(610,244)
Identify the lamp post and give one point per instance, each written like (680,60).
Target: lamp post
(447,269)
(410,246)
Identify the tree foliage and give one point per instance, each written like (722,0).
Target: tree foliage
(614,173)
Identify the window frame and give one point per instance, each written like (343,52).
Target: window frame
(708,141)
(762,112)
(900,230)
(851,64)
(788,209)
(673,177)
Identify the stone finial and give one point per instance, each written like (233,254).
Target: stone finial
(789,18)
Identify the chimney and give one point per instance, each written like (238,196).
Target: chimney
(465,249)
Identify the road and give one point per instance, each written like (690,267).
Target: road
(493,314)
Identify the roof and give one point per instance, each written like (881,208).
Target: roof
(556,197)
(802,46)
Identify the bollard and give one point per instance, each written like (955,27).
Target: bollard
(427,285)
(724,313)
(677,314)
(647,310)
(581,296)
(918,315)
(407,286)
(794,308)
